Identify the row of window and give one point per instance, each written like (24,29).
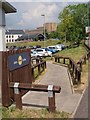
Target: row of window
(10,40)
(10,36)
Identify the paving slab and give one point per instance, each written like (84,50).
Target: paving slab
(55,75)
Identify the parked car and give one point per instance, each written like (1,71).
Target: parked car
(53,49)
(60,47)
(43,51)
(35,53)
(47,52)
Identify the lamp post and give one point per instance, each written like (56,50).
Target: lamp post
(44,28)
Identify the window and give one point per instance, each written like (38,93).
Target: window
(9,36)
(12,36)
(10,40)
(7,40)
(6,36)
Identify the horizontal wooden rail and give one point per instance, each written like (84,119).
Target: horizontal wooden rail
(35,87)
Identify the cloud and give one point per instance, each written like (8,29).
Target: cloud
(30,16)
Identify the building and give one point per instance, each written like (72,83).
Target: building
(30,37)
(5,8)
(50,27)
(12,35)
(38,30)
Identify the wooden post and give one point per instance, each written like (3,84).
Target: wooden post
(38,69)
(37,61)
(5,85)
(85,60)
(63,60)
(80,65)
(79,76)
(32,74)
(55,59)
(58,60)
(45,64)
(51,99)
(17,96)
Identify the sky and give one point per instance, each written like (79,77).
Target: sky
(28,15)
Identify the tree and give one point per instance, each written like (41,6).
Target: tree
(73,20)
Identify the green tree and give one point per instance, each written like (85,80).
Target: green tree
(73,20)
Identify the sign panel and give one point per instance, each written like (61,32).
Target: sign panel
(18,60)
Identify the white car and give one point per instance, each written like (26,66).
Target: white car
(60,47)
(43,52)
(53,48)
(47,53)
(34,53)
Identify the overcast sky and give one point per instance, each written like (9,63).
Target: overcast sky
(28,15)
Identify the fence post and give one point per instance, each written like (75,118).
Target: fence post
(85,60)
(18,98)
(51,99)
(32,74)
(5,85)
(45,64)
(58,60)
(79,75)
(63,60)
(55,59)
(80,65)
(37,61)
(38,69)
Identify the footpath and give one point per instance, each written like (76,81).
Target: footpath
(65,100)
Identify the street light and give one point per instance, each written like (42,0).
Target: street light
(44,28)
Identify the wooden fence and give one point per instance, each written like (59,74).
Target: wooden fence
(73,67)
(38,66)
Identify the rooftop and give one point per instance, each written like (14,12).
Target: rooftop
(15,32)
(7,7)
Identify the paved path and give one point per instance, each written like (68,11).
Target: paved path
(56,75)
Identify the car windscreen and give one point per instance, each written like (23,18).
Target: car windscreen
(39,50)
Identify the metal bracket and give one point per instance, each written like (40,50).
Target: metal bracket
(16,90)
(50,90)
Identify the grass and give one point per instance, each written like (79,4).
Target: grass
(11,112)
(74,53)
(41,43)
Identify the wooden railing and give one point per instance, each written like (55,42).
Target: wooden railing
(73,67)
(38,66)
(83,59)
